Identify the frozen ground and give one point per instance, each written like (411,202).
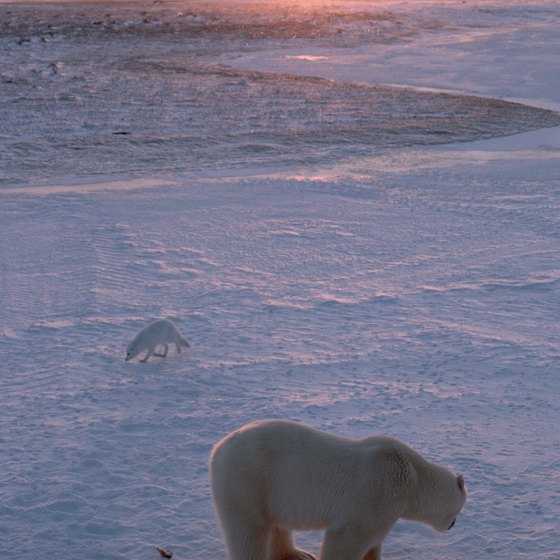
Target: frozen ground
(327,260)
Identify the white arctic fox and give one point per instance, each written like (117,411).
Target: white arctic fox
(161,332)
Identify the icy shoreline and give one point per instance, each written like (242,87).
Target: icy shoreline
(107,90)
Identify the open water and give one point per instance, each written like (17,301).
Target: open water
(128,89)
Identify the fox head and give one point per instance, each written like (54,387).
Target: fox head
(132,351)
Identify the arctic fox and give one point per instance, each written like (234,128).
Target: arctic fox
(161,332)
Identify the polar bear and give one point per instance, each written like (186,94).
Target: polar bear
(161,332)
(272,477)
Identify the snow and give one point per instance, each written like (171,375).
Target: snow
(342,243)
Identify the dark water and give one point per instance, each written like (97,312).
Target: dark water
(108,89)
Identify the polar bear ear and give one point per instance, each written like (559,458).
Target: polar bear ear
(461,482)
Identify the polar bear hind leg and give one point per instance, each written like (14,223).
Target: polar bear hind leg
(282,547)
(246,540)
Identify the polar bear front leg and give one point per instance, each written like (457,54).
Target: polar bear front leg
(282,547)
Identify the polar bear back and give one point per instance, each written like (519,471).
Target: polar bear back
(288,463)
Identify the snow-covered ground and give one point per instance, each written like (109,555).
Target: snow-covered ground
(280,183)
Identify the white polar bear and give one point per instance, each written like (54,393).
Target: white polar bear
(274,476)
(161,332)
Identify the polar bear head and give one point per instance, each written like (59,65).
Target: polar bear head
(440,496)
(449,501)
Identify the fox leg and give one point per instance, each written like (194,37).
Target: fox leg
(148,354)
(165,350)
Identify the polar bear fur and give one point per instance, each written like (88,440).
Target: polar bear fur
(161,332)
(272,477)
